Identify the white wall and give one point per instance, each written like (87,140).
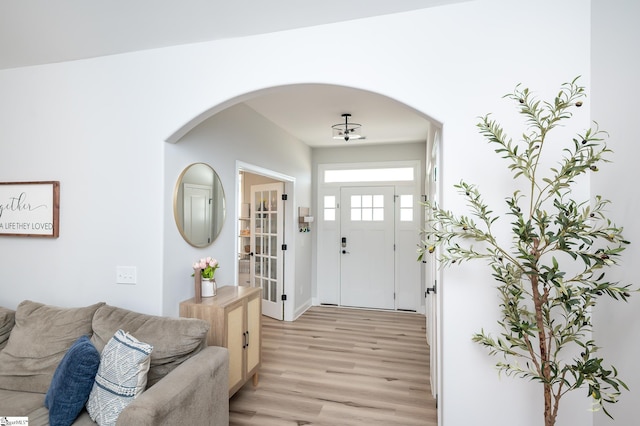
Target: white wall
(99,127)
(615,64)
(91,126)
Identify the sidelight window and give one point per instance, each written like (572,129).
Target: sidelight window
(329,208)
(406,208)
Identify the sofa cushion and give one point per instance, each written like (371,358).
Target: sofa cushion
(72,382)
(122,376)
(41,336)
(174,340)
(7,320)
(19,404)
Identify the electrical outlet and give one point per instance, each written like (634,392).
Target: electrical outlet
(125,274)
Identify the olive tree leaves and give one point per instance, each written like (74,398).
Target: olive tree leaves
(553,269)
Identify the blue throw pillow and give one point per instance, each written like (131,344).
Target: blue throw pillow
(72,382)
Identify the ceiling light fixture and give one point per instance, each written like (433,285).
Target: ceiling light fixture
(346,130)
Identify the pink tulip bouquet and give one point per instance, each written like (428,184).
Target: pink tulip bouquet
(207,267)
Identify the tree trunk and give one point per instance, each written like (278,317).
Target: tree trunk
(549,418)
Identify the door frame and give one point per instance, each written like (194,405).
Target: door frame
(290,222)
(327,238)
(432,269)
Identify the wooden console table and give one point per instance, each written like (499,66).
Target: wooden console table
(235,315)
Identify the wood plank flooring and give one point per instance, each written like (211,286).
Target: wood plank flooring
(340,367)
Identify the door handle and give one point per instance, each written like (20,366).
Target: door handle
(432,289)
(345,252)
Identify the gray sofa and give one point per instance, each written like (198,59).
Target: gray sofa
(187,380)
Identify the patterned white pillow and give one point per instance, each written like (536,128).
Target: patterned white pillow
(122,376)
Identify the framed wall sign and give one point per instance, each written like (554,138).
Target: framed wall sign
(30,209)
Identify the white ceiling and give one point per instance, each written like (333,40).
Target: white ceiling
(34,32)
(309,111)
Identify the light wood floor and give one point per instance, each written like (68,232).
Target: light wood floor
(340,367)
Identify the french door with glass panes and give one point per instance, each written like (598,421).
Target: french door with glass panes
(266,256)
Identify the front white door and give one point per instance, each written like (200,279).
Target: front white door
(367,247)
(266,256)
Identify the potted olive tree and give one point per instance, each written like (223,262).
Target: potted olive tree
(552,271)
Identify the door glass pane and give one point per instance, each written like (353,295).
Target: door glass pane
(273,296)
(257,202)
(329,208)
(367,207)
(274,223)
(273,268)
(273,201)
(406,208)
(329,202)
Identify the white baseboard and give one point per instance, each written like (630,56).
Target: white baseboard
(302,309)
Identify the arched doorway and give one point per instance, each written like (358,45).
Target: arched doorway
(305,114)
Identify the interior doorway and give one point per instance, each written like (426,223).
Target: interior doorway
(265,101)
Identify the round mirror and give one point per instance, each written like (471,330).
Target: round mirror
(199,205)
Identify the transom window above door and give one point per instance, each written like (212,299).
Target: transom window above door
(383,174)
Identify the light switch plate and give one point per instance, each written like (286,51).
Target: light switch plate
(126,274)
